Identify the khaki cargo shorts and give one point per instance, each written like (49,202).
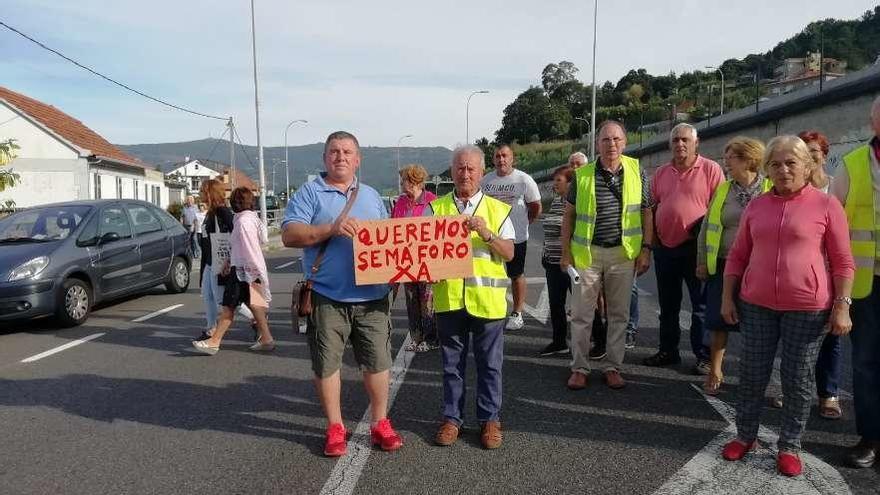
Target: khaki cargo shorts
(332,324)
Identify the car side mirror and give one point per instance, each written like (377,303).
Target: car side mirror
(108,238)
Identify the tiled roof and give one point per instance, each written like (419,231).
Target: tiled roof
(241,180)
(68,128)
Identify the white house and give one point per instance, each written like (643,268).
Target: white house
(60,159)
(194,172)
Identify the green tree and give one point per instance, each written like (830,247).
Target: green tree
(8,178)
(555,75)
(533,116)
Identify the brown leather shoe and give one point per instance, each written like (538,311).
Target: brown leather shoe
(490,436)
(614,380)
(447,434)
(577,381)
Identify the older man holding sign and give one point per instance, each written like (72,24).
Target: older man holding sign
(473,306)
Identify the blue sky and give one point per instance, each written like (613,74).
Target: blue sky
(380,69)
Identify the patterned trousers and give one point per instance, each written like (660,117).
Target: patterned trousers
(420,310)
(801,333)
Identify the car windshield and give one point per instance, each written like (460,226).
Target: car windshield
(42,224)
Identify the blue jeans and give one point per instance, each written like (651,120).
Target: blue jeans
(456,328)
(866,363)
(828,367)
(674,266)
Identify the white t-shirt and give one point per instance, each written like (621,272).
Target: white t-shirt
(517,189)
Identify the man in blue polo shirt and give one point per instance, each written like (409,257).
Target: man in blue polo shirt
(341,310)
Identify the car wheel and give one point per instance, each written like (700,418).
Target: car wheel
(76,302)
(178,279)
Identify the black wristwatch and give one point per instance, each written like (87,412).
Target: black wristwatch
(647,246)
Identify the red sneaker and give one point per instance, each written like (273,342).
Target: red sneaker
(737,449)
(385,437)
(335,445)
(788,464)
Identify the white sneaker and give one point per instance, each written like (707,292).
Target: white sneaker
(514,321)
(261,347)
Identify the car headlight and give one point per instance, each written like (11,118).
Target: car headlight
(29,269)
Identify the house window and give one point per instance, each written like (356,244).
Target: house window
(97,186)
(119,187)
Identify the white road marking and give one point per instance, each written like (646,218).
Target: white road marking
(542,311)
(156,313)
(349,467)
(285,265)
(684,316)
(60,348)
(708,473)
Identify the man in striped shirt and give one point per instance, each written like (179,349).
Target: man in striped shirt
(610,269)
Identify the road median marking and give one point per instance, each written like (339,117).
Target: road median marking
(708,473)
(285,265)
(60,348)
(349,467)
(156,313)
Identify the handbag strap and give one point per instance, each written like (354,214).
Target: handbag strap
(348,204)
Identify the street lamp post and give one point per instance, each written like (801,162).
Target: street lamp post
(398,159)
(593,98)
(467,115)
(286,158)
(722,85)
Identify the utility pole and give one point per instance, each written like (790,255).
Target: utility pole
(257,112)
(231,152)
(757,88)
(821,57)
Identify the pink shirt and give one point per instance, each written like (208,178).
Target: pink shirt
(782,247)
(405,207)
(682,198)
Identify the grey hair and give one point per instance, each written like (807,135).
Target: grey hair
(339,135)
(577,155)
(469,149)
(684,125)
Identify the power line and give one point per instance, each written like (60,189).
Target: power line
(102,76)
(241,146)
(218,141)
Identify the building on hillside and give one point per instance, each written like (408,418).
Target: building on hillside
(60,159)
(191,173)
(797,73)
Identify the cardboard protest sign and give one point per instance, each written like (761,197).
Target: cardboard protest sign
(417,249)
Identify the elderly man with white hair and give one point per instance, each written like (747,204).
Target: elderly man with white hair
(681,189)
(577,160)
(857,186)
(471,312)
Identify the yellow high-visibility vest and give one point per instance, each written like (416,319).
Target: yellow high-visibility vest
(860,215)
(713,222)
(585,209)
(483,295)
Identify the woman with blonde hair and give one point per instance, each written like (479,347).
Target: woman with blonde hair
(419,298)
(788,279)
(742,159)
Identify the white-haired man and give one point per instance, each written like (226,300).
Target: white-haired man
(681,190)
(856,185)
(470,312)
(577,160)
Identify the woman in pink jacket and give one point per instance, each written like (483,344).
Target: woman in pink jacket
(790,270)
(419,298)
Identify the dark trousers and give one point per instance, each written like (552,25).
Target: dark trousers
(866,363)
(674,266)
(828,367)
(558,287)
(457,329)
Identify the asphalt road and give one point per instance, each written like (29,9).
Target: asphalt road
(132,410)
